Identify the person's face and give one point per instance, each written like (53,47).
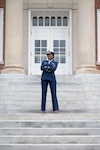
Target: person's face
(50,56)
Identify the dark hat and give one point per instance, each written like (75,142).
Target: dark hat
(50,52)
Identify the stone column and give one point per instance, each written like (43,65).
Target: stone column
(14,37)
(86,35)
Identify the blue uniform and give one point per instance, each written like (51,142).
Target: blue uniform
(48,77)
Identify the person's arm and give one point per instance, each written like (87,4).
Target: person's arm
(53,66)
(44,65)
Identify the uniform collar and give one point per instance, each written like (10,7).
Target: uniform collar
(50,61)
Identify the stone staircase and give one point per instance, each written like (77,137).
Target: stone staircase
(75,127)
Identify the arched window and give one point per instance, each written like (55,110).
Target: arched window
(46,21)
(52,21)
(59,21)
(34,21)
(40,21)
(65,21)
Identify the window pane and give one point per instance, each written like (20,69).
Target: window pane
(56,50)
(57,58)
(59,21)
(34,21)
(37,43)
(55,43)
(62,43)
(46,21)
(43,58)
(37,59)
(53,21)
(65,23)
(41,21)
(62,50)
(44,50)
(37,50)
(44,43)
(62,59)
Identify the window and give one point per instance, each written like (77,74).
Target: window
(34,21)
(59,21)
(1,35)
(40,50)
(65,23)
(50,21)
(98,34)
(59,47)
(46,21)
(41,21)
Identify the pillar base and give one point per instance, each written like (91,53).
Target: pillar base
(12,70)
(84,69)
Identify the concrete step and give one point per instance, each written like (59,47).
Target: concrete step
(30,104)
(61,79)
(50,139)
(49,131)
(49,115)
(64,93)
(9,108)
(49,124)
(35,101)
(51,147)
(62,133)
(31,84)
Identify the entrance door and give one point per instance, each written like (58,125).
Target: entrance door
(50,32)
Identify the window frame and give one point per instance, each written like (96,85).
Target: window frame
(1,34)
(98,35)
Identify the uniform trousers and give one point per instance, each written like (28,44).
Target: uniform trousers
(52,84)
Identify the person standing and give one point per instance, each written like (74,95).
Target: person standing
(48,77)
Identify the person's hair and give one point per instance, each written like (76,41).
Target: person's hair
(52,53)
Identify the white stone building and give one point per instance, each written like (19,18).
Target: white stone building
(70,28)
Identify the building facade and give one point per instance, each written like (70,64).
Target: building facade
(70,28)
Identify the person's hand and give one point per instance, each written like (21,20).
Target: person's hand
(48,67)
(45,67)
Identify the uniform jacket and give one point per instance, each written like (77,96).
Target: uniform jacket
(48,70)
